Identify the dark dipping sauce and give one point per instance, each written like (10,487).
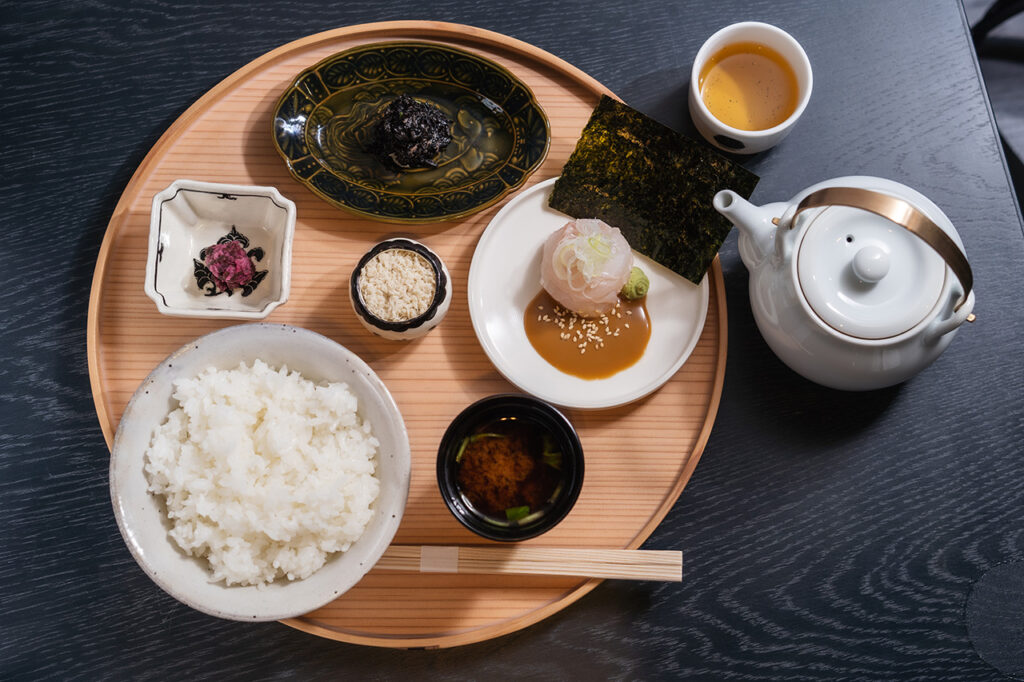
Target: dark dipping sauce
(509,469)
(588,347)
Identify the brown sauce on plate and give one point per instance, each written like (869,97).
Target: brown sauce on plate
(589,348)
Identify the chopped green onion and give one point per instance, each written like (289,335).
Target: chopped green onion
(477,436)
(553,459)
(600,245)
(516,513)
(551,456)
(472,439)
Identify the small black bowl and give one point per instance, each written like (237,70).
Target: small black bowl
(537,414)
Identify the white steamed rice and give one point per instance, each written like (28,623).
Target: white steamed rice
(263,472)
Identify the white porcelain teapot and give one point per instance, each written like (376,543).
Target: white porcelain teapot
(857,283)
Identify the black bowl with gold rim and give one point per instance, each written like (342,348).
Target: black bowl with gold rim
(324,124)
(510,467)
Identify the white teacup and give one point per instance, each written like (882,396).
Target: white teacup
(737,140)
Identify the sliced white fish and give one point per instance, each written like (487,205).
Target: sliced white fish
(584,265)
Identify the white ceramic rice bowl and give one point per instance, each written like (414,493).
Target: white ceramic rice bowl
(140,515)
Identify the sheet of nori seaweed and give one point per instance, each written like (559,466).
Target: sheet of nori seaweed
(654,184)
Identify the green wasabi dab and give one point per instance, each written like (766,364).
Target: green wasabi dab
(637,285)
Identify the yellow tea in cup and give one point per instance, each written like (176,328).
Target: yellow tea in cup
(749,86)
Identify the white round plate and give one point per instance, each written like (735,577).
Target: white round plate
(504,276)
(141,515)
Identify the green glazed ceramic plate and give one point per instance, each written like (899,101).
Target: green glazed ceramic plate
(324,121)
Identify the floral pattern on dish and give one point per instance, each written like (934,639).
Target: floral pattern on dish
(323,123)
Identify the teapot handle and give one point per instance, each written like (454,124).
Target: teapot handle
(904,214)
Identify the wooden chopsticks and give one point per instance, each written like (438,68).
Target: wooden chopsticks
(622,564)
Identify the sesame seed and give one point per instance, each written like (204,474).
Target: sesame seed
(584,332)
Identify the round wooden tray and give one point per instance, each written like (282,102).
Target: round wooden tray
(638,457)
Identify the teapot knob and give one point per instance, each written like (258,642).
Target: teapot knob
(871,264)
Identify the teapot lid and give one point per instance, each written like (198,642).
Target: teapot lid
(866,276)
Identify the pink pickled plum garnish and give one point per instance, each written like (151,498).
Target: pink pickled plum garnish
(229,265)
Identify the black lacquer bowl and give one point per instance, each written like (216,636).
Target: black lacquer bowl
(540,417)
(324,122)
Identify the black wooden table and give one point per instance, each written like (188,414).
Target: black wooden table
(827,535)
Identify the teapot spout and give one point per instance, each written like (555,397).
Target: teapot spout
(754,223)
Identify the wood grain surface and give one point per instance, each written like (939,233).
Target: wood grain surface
(638,457)
(828,536)
(523,559)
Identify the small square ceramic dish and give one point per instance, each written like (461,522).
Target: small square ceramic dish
(219,250)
